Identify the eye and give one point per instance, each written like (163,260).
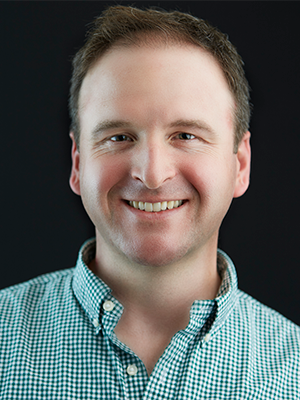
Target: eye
(185,136)
(120,138)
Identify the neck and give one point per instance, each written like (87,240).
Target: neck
(156,300)
(194,277)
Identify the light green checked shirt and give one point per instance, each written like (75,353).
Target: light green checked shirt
(58,343)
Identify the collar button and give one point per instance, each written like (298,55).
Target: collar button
(108,305)
(207,337)
(132,370)
(96,322)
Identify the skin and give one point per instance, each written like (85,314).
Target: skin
(173,140)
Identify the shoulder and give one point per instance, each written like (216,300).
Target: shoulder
(262,315)
(45,289)
(271,334)
(40,281)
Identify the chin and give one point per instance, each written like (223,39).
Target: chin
(156,255)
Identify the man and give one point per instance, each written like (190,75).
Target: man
(160,113)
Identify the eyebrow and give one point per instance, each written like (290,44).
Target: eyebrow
(196,124)
(108,125)
(115,124)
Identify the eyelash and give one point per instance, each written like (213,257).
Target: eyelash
(125,137)
(191,136)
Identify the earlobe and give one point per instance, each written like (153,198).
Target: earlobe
(75,175)
(244,162)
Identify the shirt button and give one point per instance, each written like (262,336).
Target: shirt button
(163,375)
(207,337)
(108,305)
(95,323)
(132,370)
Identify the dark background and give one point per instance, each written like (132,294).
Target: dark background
(43,223)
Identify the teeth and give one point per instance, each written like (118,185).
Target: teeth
(164,205)
(170,205)
(148,207)
(156,207)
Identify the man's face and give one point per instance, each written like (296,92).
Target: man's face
(156,127)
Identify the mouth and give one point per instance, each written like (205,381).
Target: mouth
(156,207)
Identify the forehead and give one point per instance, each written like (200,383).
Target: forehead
(166,80)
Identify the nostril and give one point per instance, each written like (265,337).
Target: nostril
(153,168)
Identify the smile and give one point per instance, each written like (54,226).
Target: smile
(155,207)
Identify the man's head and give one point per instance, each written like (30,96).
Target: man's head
(121,26)
(157,134)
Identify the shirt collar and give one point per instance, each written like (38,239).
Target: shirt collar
(211,314)
(91,292)
(227,295)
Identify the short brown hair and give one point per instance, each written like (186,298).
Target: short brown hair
(123,25)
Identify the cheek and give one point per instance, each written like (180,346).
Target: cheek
(200,175)
(211,177)
(99,176)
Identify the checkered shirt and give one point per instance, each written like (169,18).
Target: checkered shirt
(58,343)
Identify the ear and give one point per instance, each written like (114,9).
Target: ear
(243,164)
(75,175)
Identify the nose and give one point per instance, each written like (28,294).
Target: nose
(153,164)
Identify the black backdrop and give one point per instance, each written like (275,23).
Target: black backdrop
(43,223)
